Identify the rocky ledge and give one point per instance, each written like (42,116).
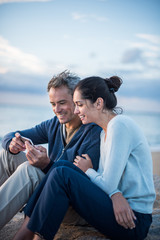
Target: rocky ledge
(86,232)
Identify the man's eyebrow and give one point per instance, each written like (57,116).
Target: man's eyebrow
(63,100)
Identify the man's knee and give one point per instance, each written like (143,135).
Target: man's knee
(6,154)
(29,168)
(3,154)
(10,161)
(30,171)
(24,167)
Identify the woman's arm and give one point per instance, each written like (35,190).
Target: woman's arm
(115,152)
(123,213)
(118,147)
(84,162)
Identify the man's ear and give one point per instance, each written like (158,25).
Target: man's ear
(99,103)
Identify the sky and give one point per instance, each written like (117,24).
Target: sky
(41,38)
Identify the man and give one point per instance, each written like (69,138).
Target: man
(66,137)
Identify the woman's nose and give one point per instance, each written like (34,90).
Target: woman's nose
(76,110)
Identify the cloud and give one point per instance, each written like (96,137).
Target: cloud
(13,59)
(18,68)
(131,55)
(146,49)
(138,104)
(84,17)
(92,55)
(142,57)
(24,99)
(19,82)
(66,36)
(149,37)
(13,1)
(78,16)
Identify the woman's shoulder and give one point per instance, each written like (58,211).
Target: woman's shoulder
(121,119)
(124,121)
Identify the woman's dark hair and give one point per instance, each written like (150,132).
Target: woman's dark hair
(92,88)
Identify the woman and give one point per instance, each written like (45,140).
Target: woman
(118,198)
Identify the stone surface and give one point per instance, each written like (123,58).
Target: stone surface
(86,232)
(154,232)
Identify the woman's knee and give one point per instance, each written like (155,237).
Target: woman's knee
(56,171)
(60,174)
(62,163)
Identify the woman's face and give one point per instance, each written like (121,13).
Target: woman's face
(84,108)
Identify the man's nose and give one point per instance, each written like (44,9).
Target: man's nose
(57,109)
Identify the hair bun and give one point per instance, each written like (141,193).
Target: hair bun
(114,83)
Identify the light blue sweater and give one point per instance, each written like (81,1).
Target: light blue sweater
(125,164)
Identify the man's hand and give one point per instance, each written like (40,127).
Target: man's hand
(122,211)
(37,155)
(16,145)
(83,163)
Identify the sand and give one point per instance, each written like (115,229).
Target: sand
(156,163)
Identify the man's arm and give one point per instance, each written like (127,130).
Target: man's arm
(37,156)
(91,145)
(16,145)
(38,134)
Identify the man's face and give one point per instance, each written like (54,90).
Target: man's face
(62,104)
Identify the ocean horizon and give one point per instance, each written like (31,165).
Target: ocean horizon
(18,117)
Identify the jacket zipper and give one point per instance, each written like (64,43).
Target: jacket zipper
(64,147)
(61,154)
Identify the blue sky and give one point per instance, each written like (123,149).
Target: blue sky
(89,37)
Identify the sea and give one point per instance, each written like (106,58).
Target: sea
(19,117)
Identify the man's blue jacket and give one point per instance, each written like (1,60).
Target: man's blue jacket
(85,141)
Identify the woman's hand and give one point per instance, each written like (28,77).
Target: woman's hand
(122,211)
(83,162)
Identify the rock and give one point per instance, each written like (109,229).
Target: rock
(9,231)
(79,233)
(157,188)
(84,231)
(154,231)
(89,233)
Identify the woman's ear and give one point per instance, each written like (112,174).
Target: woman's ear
(99,103)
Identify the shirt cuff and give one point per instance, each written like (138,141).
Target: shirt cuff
(12,153)
(46,169)
(91,173)
(116,191)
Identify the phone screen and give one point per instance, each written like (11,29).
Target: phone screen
(26,139)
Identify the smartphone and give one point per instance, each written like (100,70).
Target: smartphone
(26,139)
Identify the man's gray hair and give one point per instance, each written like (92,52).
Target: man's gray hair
(65,78)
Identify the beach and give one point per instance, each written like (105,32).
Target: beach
(156,162)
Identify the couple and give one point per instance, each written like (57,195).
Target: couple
(117,199)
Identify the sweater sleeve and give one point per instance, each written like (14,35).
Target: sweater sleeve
(38,134)
(91,145)
(113,159)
